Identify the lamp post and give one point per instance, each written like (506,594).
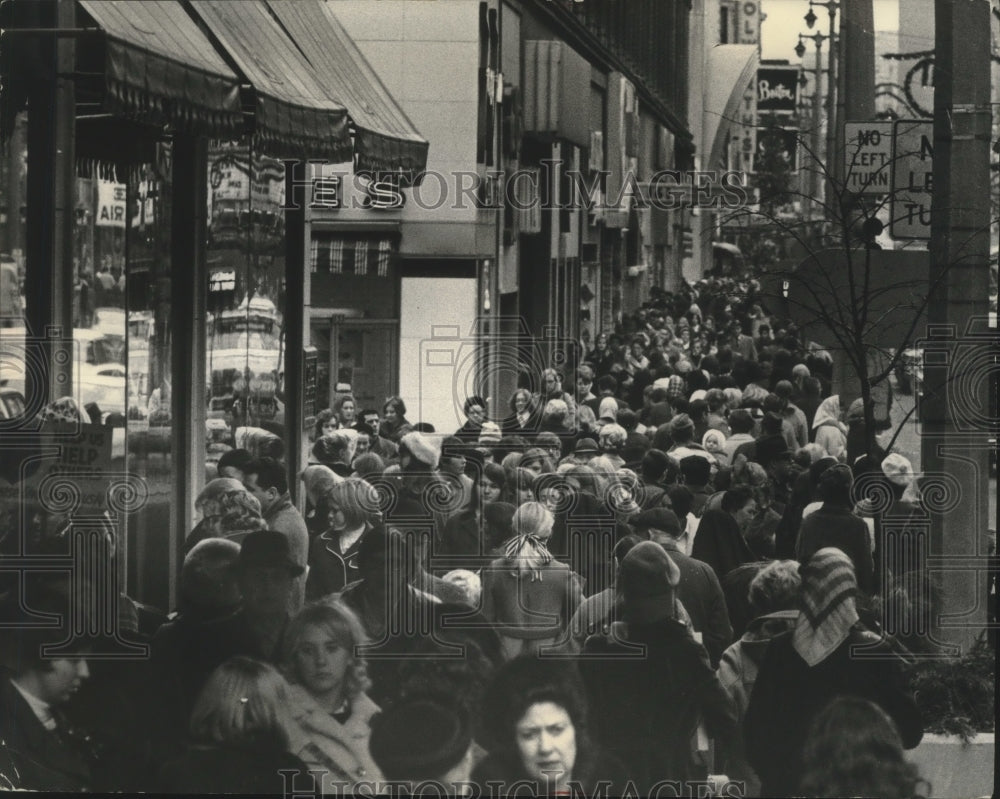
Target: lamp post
(800,50)
(832,166)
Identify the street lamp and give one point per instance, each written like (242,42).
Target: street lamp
(832,6)
(800,50)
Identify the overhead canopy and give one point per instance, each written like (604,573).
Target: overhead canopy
(732,67)
(384,138)
(293,113)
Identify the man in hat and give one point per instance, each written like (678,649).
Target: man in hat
(647,707)
(585,451)
(424,740)
(698,589)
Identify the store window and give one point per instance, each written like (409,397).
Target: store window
(245,337)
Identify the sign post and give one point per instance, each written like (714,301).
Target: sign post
(912,178)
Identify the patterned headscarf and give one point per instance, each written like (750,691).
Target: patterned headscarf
(63,409)
(514,550)
(828,609)
(675,387)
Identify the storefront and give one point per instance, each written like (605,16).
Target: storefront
(159,230)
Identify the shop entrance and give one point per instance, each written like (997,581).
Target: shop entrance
(363,353)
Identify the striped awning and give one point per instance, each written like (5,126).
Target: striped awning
(293,113)
(385,140)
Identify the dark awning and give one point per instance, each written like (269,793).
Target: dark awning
(158,65)
(384,138)
(293,113)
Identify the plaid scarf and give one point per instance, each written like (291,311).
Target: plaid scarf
(513,548)
(827,612)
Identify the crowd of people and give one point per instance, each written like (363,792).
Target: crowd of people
(650,576)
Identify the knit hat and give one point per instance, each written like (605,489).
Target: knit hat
(681,422)
(829,587)
(784,389)
(422,449)
(801,370)
(898,469)
(646,581)
(419,739)
(267,548)
(490,433)
(662,519)
(586,446)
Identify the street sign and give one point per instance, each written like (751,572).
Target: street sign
(912,176)
(868,157)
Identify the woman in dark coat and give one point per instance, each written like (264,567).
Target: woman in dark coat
(464,543)
(535,713)
(719,541)
(834,524)
(350,510)
(828,654)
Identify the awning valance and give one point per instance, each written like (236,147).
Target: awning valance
(384,138)
(293,113)
(732,67)
(159,67)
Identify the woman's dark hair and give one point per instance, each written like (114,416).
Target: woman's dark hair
(526,681)
(529,405)
(322,418)
(397,403)
(854,749)
(521,480)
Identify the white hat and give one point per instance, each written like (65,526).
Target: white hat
(898,469)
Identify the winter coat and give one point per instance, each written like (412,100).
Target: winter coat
(325,744)
(788,694)
(531,609)
(220,768)
(646,709)
(330,569)
(833,526)
(701,594)
(720,543)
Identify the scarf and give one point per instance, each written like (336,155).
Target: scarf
(513,548)
(828,611)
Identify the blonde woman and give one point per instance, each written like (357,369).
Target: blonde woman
(328,681)
(240,730)
(528,595)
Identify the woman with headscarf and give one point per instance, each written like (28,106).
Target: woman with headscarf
(828,431)
(820,660)
(527,594)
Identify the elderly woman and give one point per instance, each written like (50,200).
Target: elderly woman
(240,729)
(828,431)
(327,695)
(527,594)
(612,440)
(537,733)
(351,511)
(336,451)
(227,510)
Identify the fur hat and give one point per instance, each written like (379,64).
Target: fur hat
(422,449)
(647,580)
(898,469)
(662,519)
